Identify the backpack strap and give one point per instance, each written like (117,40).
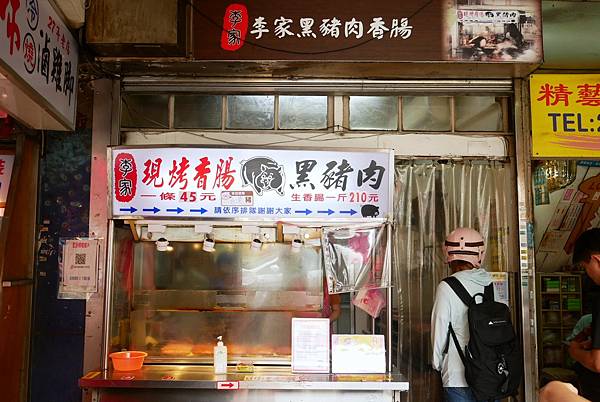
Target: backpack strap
(466,298)
(488,292)
(464,295)
(458,347)
(460,290)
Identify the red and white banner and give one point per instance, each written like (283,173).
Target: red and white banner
(38,48)
(251,183)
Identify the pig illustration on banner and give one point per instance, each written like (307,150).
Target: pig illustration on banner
(263,174)
(370,211)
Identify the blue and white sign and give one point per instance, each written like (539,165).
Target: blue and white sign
(251,183)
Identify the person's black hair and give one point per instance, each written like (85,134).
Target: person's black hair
(587,243)
(460,264)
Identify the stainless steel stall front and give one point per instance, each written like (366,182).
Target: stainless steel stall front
(175,285)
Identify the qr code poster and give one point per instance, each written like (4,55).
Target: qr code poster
(79,266)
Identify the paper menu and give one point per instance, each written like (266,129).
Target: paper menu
(310,345)
(501,290)
(80,266)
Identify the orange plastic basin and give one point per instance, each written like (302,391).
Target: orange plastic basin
(128,360)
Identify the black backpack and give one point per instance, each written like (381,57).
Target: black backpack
(492,358)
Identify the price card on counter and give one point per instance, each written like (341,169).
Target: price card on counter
(358,354)
(310,345)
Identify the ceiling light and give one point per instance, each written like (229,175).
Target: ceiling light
(162,244)
(296,245)
(208,245)
(256,244)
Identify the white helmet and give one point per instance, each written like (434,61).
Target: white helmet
(465,244)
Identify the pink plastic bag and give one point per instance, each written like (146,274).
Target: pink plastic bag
(370,300)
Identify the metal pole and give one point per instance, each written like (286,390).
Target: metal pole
(101,132)
(389,329)
(107,298)
(352,315)
(389,300)
(525,238)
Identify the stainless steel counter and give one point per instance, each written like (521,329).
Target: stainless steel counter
(176,383)
(202,377)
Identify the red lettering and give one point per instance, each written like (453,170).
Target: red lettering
(552,95)
(178,173)
(13,33)
(224,176)
(152,173)
(202,171)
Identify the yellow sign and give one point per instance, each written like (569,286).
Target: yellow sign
(565,114)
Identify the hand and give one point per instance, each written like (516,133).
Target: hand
(557,391)
(335,312)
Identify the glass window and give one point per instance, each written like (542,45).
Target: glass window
(426,113)
(181,299)
(250,112)
(197,111)
(478,113)
(373,113)
(302,112)
(145,111)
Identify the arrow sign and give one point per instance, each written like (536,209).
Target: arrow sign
(201,210)
(351,212)
(306,211)
(328,212)
(155,210)
(130,210)
(228,385)
(178,210)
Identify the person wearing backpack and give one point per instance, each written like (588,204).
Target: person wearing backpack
(586,353)
(474,345)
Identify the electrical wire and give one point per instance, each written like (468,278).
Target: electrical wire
(317,137)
